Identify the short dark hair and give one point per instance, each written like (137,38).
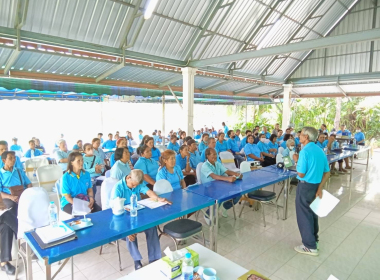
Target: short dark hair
(142,149)
(223,123)
(5,154)
(110,134)
(71,158)
(220,133)
(204,135)
(247,131)
(191,141)
(286,137)
(119,153)
(324,125)
(208,152)
(272,137)
(250,136)
(101,134)
(94,140)
(3,143)
(229,133)
(32,141)
(182,147)
(86,145)
(187,138)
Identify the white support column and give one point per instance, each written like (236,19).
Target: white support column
(286,105)
(188,74)
(163,120)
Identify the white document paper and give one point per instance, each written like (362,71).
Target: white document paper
(322,207)
(148,202)
(50,234)
(80,207)
(332,277)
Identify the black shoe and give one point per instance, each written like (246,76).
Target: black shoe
(9,269)
(138,265)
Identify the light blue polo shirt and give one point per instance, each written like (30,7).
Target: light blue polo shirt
(109,144)
(267,135)
(15,148)
(203,156)
(122,190)
(195,158)
(313,163)
(62,155)
(222,147)
(112,158)
(243,143)
(263,147)
(149,166)
(120,169)
(359,136)
(296,141)
(11,179)
(252,149)
(18,163)
(156,154)
(101,140)
(225,130)
(37,153)
(208,169)
(76,147)
(280,138)
(87,162)
(74,186)
(174,178)
(233,145)
(198,136)
(202,146)
(323,145)
(180,161)
(272,146)
(100,153)
(141,137)
(346,132)
(173,147)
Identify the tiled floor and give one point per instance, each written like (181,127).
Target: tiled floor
(349,239)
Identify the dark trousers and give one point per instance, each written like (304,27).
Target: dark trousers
(8,228)
(268,161)
(68,208)
(307,220)
(11,204)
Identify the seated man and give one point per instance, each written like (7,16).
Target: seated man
(109,144)
(173,145)
(11,176)
(195,158)
(133,183)
(62,155)
(214,170)
(322,142)
(39,146)
(4,148)
(198,135)
(211,144)
(332,145)
(244,140)
(234,148)
(32,152)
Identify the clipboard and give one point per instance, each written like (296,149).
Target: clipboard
(52,244)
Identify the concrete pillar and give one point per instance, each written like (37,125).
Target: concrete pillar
(286,105)
(188,74)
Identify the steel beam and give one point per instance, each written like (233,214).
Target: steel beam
(170,81)
(110,72)
(217,84)
(246,88)
(270,92)
(123,43)
(175,97)
(320,43)
(331,80)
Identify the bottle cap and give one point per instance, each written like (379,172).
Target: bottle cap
(188,256)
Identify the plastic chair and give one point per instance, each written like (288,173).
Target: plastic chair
(106,191)
(161,148)
(162,186)
(62,215)
(279,158)
(134,143)
(47,175)
(198,171)
(228,161)
(179,229)
(32,213)
(108,174)
(280,150)
(31,166)
(245,166)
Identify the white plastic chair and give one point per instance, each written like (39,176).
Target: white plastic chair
(19,154)
(161,148)
(228,161)
(134,143)
(62,215)
(106,191)
(199,168)
(279,158)
(108,174)
(32,213)
(47,175)
(245,166)
(162,186)
(31,166)
(280,150)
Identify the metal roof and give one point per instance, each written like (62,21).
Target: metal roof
(181,31)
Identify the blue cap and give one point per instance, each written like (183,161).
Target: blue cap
(188,256)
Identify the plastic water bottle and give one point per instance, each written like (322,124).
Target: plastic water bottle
(133,205)
(53,217)
(354,143)
(187,268)
(325,150)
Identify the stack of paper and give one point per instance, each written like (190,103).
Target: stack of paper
(80,207)
(150,203)
(49,234)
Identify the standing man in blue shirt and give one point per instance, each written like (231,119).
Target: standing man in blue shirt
(343,131)
(15,146)
(313,172)
(225,128)
(359,137)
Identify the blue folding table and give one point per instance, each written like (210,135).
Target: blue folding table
(108,227)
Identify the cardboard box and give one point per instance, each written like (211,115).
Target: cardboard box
(173,270)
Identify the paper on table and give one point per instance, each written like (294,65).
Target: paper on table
(80,207)
(148,202)
(322,207)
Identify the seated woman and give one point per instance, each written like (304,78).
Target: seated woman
(272,145)
(195,157)
(322,142)
(214,170)
(204,143)
(286,138)
(173,145)
(183,161)
(148,165)
(76,183)
(91,163)
(155,152)
(39,146)
(170,171)
(62,155)
(221,144)
(33,152)
(244,140)
(121,143)
(121,167)
(289,151)
(98,151)
(251,150)
(269,159)
(133,183)
(78,147)
(211,144)
(182,136)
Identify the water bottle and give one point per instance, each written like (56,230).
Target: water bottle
(133,205)
(325,150)
(187,268)
(53,217)
(354,143)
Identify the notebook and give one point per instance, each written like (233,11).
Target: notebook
(49,234)
(45,246)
